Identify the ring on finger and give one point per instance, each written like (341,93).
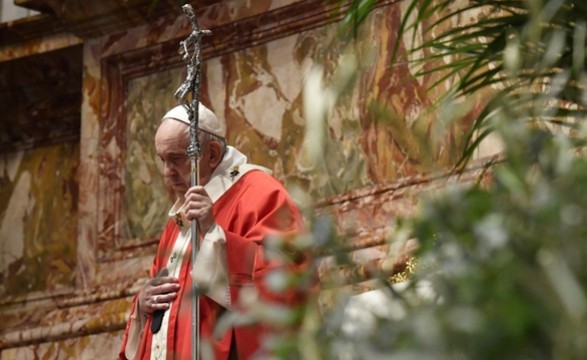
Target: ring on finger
(155,299)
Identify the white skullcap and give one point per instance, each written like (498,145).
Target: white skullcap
(207,121)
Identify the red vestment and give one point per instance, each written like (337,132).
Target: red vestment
(254,206)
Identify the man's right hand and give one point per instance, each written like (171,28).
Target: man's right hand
(157,294)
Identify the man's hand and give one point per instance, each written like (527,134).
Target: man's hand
(198,206)
(157,294)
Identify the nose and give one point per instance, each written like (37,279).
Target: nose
(168,170)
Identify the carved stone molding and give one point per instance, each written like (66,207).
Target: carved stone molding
(62,315)
(91,19)
(38,5)
(26,29)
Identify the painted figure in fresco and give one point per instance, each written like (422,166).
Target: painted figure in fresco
(236,207)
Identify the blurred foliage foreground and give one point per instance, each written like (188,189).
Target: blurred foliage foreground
(502,266)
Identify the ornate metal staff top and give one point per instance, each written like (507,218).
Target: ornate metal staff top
(191,84)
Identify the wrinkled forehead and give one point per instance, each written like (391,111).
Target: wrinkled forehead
(172,136)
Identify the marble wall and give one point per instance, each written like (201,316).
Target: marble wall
(39,160)
(80,217)
(38,208)
(145,197)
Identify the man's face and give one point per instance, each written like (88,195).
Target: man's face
(171,142)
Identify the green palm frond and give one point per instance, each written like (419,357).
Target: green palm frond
(513,53)
(520,48)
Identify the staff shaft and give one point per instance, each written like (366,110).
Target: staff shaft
(192,85)
(195,176)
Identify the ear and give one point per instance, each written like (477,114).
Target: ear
(215,154)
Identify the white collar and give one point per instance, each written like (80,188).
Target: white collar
(232,167)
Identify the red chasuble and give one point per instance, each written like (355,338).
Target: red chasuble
(256,205)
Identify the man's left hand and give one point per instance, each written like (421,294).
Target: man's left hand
(198,206)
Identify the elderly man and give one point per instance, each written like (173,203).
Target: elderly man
(236,206)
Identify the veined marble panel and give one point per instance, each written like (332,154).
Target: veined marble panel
(146,200)
(38,218)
